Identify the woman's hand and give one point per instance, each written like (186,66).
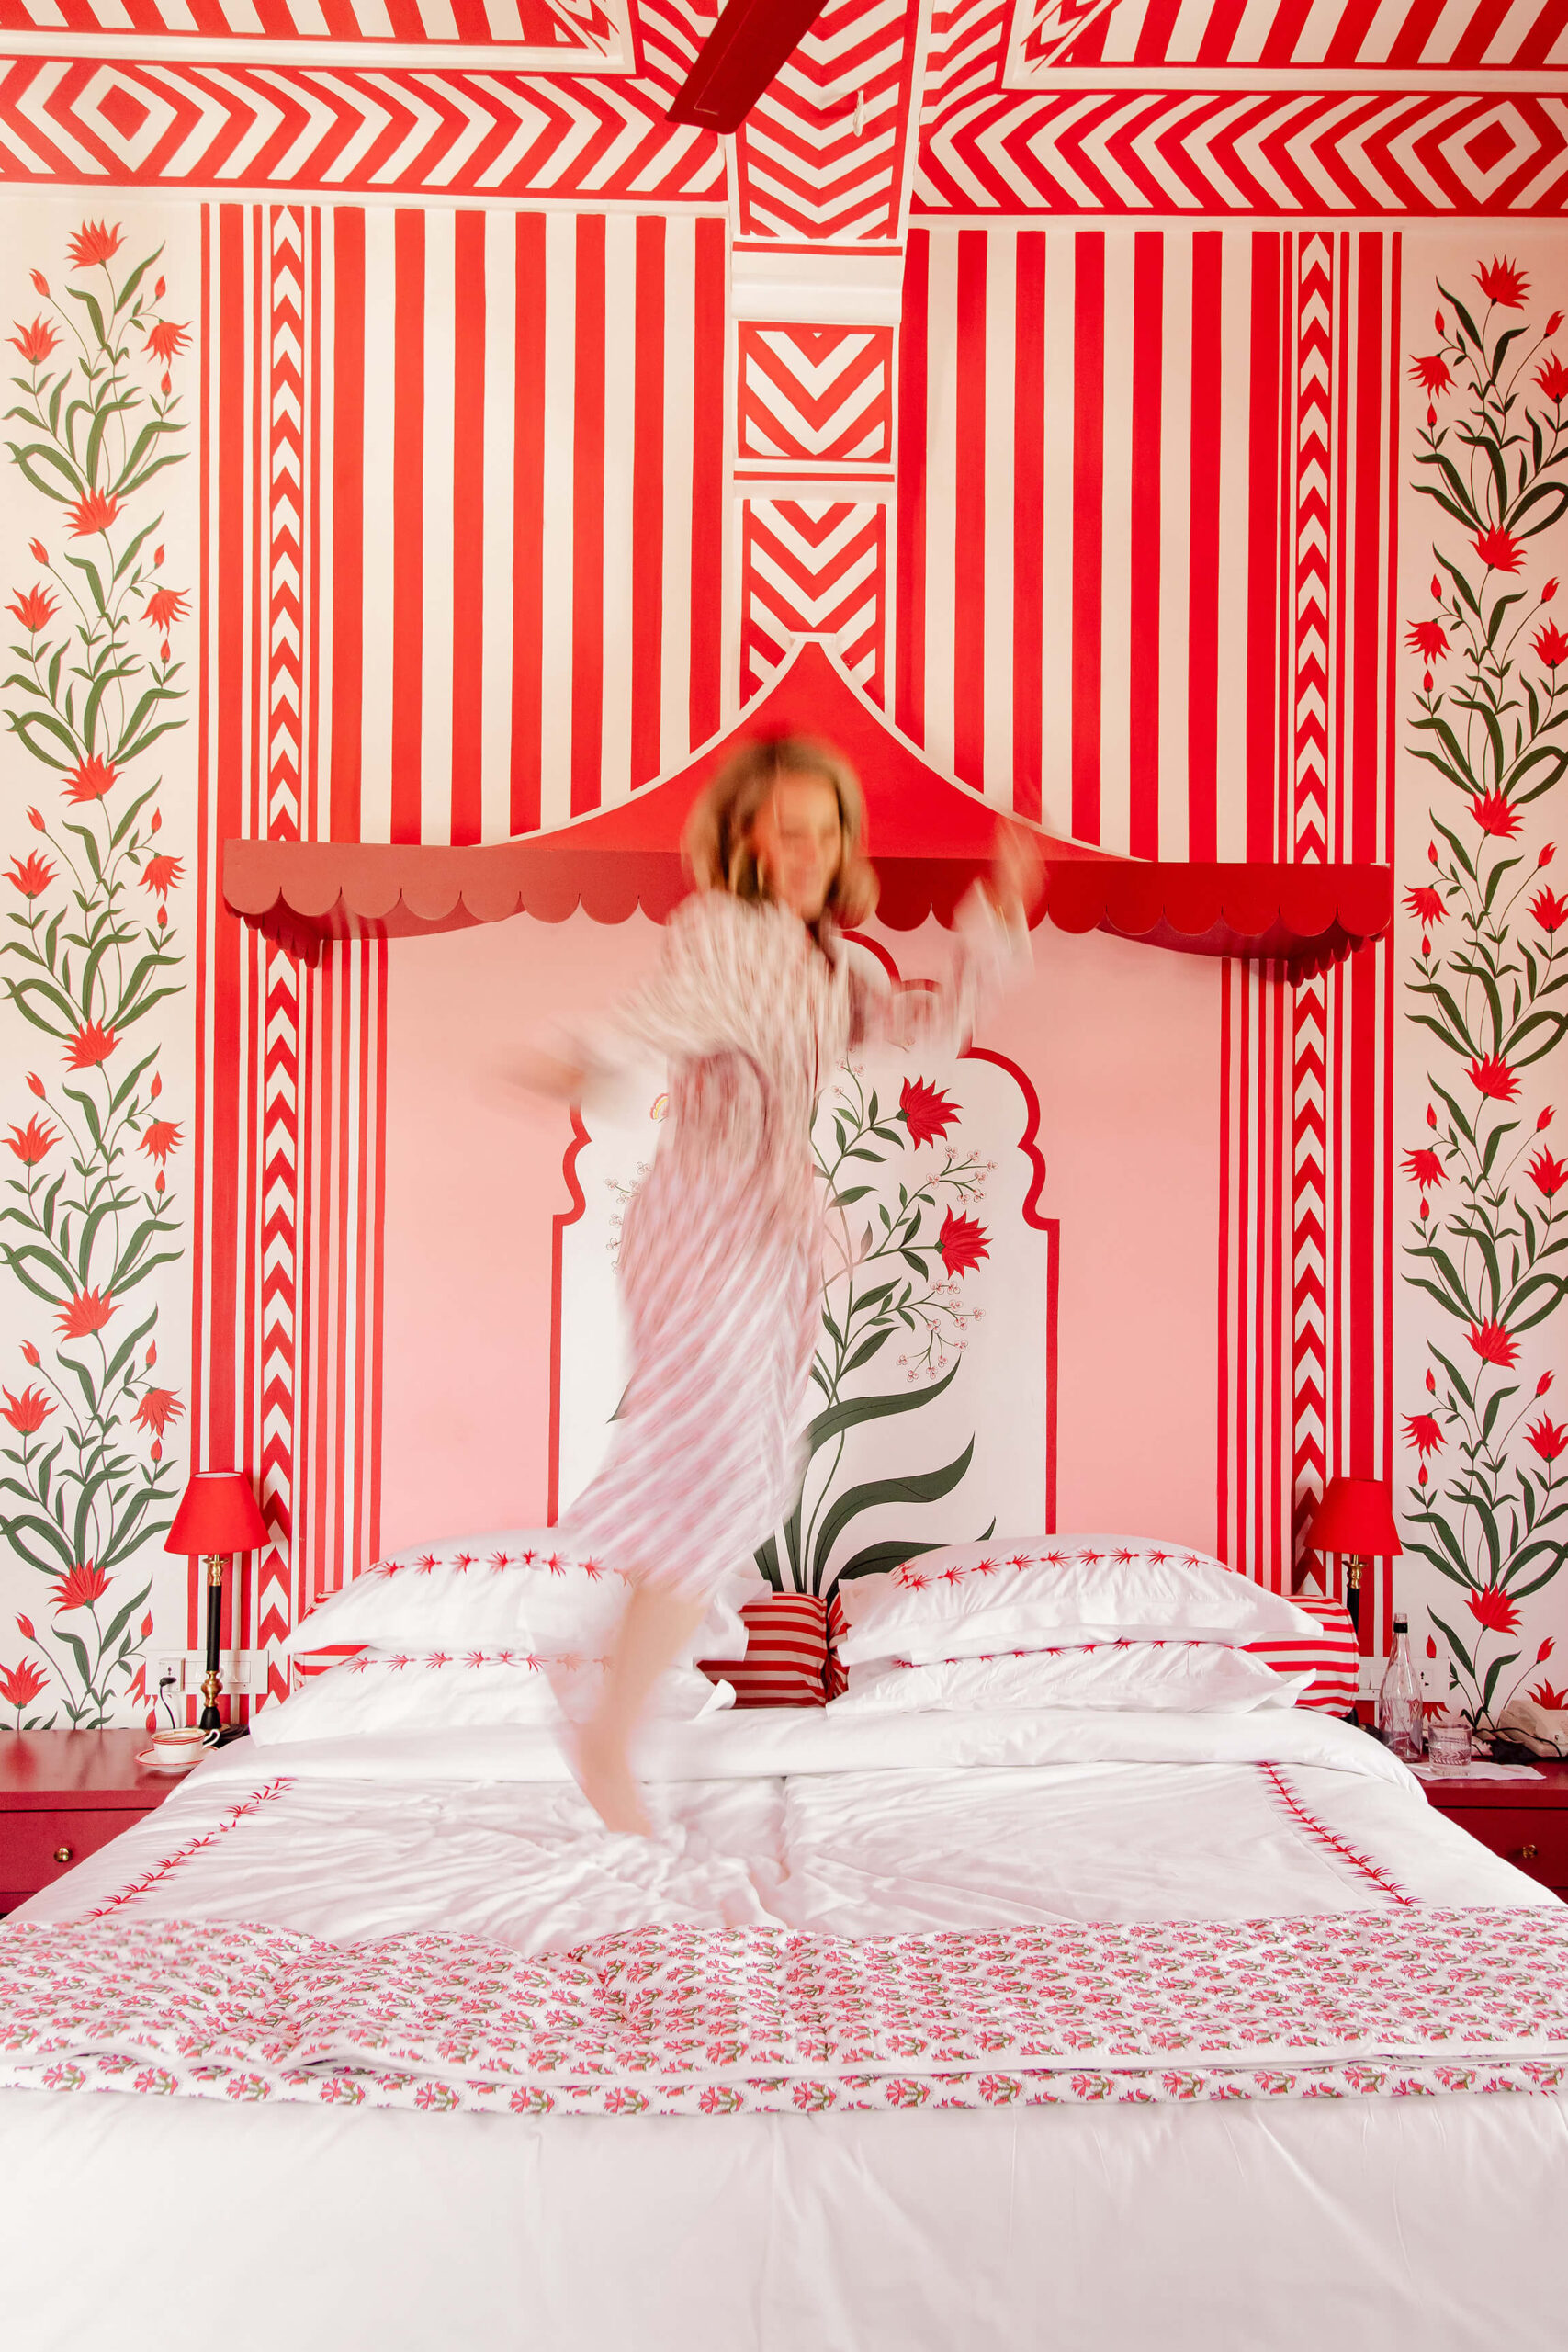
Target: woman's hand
(1018,872)
(545,1074)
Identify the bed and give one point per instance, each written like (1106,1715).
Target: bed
(853,2191)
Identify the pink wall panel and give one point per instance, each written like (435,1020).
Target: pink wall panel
(1129,1131)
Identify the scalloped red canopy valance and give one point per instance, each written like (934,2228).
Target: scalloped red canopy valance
(927,835)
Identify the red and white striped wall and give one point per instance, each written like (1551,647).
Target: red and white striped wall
(522,560)
(1144,562)
(467,551)
(485,550)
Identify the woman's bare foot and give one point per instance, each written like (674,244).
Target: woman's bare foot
(598,1755)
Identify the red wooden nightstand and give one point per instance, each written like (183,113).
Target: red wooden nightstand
(1525,1821)
(62,1796)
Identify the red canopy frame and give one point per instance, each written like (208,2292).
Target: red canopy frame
(927,836)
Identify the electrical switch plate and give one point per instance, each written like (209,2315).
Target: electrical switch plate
(174,1664)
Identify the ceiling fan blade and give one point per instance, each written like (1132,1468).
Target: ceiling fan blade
(738,59)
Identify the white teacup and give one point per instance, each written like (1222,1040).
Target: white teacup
(181,1745)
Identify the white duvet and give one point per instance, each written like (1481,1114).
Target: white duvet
(1268,2229)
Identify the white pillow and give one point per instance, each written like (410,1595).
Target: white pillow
(1163,1676)
(516,1588)
(401,1691)
(1057,1592)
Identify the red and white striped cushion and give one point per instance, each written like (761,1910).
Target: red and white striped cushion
(785,1663)
(1334,1657)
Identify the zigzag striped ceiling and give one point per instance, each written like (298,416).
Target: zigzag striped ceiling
(995,107)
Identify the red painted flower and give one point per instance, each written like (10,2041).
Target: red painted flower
(31,877)
(1549,1438)
(1421,1431)
(93,513)
(161,873)
(1424,1167)
(157,1410)
(1552,377)
(1432,374)
(167,341)
(27,1412)
(1492,1076)
(1547,1174)
(1503,282)
(925,1111)
(1499,550)
(91,780)
(1546,1695)
(79,1586)
(1429,639)
(31,1355)
(85,1314)
(19,1685)
(34,342)
(1549,910)
(1426,904)
(1492,1344)
(165,606)
(1493,1609)
(33,1142)
(94,243)
(1494,813)
(34,607)
(161,1137)
(962,1243)
(1551,645)
(92,1044)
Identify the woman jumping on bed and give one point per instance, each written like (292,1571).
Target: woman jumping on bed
(756,1001)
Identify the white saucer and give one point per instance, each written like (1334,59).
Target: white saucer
(156,1763)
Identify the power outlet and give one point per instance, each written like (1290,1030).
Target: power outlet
(171,1665)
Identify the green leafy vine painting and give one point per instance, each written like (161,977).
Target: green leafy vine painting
(1488,1505)
(89,952)
(904,1241)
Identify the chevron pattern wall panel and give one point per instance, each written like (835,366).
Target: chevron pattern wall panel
(815,395)
(823,154)
(75,121)
(1264,153)
(548,34)
(813,567)
(1407,37)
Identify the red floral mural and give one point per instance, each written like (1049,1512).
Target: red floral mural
(1487,1240)
(94,686)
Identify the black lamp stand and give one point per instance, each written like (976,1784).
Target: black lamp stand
(211,1681)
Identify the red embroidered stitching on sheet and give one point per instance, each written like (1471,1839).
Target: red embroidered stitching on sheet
(1326,1837)
(171,1862)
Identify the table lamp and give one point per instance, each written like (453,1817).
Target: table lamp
(218,1515)
(1355,1518)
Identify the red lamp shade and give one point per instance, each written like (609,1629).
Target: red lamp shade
(218,1513)
(1355,1515)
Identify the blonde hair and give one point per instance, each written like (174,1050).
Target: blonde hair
(718,838)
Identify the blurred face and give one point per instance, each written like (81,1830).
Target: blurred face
(797,839)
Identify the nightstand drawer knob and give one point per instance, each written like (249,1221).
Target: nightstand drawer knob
(62,1853)
(1525,1853)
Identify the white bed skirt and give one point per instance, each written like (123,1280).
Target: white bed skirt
(1277,2226)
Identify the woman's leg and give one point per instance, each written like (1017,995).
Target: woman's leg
(656,1623)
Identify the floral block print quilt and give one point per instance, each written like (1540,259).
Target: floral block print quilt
(675,2020)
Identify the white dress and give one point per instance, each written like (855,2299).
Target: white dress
(722,1247)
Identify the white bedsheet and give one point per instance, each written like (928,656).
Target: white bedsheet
(1262,2227)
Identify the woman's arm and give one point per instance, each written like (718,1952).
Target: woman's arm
(991,954)
(697,1001)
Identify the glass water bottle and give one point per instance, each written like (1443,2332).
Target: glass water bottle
(1399,1700)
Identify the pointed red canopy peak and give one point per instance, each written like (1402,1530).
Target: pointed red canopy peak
(927,836)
